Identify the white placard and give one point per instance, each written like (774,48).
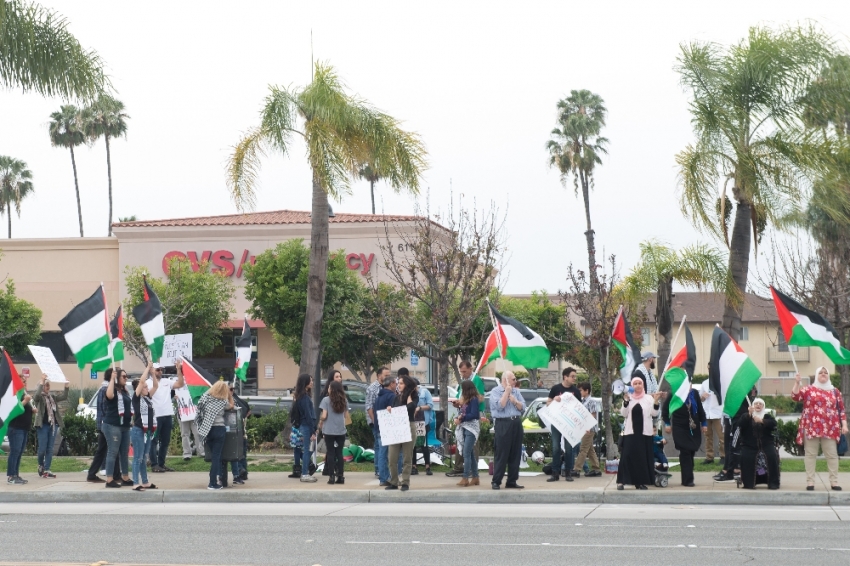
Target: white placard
(568,416)
(395,426)
(47,363)
(176,346)
(185,408)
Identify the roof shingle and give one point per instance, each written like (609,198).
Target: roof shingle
(708,307)
(261,218)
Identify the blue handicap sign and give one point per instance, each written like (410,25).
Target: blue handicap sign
(414,358)
(93,374)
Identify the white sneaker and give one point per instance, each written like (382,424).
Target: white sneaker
(308,479)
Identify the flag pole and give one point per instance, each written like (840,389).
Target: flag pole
(793,361)
(498,334)
(670,354)
(108,330)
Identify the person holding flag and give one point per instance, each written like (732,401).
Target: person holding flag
(759,458)
(243,352)
(13,402)
(684,416)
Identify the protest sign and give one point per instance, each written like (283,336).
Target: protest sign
(47,363)
(185,408)
(568,416)
(420,428)
(395,427)
(176,346)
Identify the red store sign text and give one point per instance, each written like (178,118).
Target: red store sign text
(222,261)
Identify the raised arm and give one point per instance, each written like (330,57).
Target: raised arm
(180,381)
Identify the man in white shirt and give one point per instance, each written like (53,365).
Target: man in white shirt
(186,412)
(164,410)
(713,414)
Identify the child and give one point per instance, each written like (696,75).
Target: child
(658,453)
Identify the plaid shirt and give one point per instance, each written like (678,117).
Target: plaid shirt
(371,395)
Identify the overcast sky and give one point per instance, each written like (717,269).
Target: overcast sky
(478,81)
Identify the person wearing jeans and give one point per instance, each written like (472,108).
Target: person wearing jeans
(18,429)
(385,398)
(144,427)
(210,419)
(118,415)
(215,440)
(306,425)
(47,424)
(100,452)
(468,428)
(567,386)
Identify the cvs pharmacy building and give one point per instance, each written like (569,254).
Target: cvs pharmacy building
(56,274)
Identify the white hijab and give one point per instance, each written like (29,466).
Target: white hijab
(759,414)
(822,386)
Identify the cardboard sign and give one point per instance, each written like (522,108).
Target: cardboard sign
(420,428)
(185,408)
(395,428)
(176,346)
(568,416)
(47,363)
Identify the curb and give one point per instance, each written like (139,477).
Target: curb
(356,496)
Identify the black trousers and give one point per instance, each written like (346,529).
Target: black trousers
(426,452)
(686,462)
(508,444)
(334,464)
(100,456)
(159,447)
(732,454)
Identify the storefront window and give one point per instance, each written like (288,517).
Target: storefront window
(53,340)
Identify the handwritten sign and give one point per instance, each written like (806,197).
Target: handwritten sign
(47,363)
(185,408)
(420,428)
(395,428)
(568,416)
(176,346)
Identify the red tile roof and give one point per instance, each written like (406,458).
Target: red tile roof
(260,218)
(708,307)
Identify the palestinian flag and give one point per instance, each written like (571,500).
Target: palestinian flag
(519,344)
(86,329)
(622,338)
(116,345)
(732,373)
(12,390)
(680,386)
(197,379)
(803,327)
(149,316)
(243,352)
(687,356)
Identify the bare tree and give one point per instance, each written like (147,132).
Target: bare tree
(444,273)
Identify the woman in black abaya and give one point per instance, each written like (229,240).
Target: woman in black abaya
(687,423)
(759,459)
(636,463)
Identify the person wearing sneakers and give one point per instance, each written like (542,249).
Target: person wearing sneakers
(164,409)
(210,419)
(306,427)
(568,387)
(467,430)
(587,451)
(117,418)
(332,424)
(18,429)
(100,452)
(144,427)
(406,399)
(48,423)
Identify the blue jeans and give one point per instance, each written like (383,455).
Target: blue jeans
(141,447)
(470,464)
(302,455)
(215,438)
(377,445)
(117,446)
(17,443)
(382,458)
(46,434)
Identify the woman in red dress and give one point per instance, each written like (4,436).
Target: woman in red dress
(821,425)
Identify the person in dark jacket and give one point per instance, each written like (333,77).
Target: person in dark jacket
(759,459)
(385,399)
(687,423)
(732,443)
(48,423)
(407,399)
(18,429)
(117,420)
(240,467)
(305,426)
(100,452)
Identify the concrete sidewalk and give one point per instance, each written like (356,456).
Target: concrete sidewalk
(360,487)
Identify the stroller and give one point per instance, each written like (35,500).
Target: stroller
(662,474)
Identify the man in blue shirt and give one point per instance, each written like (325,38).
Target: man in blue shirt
(385,399)
(424,412)
(506,408)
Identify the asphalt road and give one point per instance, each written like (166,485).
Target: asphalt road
(374,534)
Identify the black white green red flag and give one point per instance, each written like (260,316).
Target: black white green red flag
(622,338)
(732,374)
(804,327)
(86,329)
(243,352)
(12,391)
(149,316)
(687,356)
(681,370)
(519,344)
(116,343)
(197,379)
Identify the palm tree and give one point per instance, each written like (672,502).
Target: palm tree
(341,132)
(747,102)
(66,130)
(575,149)
(106,118)
(15,186)
(368,172)
(660,265)
(37,52)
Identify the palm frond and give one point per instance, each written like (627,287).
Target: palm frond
(698,176)
(243,168)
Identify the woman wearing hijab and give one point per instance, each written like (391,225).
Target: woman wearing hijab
(636,463)
(821,425)
(687,424)
(759,460)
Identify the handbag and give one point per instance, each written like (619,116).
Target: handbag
(347,418)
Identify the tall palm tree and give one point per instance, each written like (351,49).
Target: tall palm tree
(37,52)
(699,266)
(15,186)
(106,117)
(341,132)
(746,107)
(66,130)
(368,172)
(575,149)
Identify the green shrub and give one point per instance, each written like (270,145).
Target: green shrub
(699,377)
(786,432)
(267,428)
(783,405)
(359,431)
(537,441)
(80,434)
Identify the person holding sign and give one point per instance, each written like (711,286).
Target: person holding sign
(407,398)
(48,423)
(186,414)
(566,387)
(636,462)
(384,399)
(506,407)
(144,427)
(467,430)
(165,416)
(587,450)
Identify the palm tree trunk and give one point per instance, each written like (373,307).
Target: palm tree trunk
(9,217)
(739,264)
(664,320)
(109,175)
(77,187)
(311,336)
(591,247)
(372,188)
